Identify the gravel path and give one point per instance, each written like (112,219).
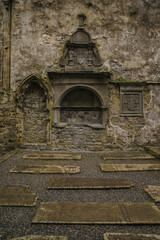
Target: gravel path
(16,221)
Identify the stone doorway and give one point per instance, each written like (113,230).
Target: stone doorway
(34,115)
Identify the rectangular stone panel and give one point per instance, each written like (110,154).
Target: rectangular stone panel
(88,183)
(127,156)
(97,213)
(154,192)
(40,237)
(130,236)
(56,156)
(45,169)
(16,195)
(129,167)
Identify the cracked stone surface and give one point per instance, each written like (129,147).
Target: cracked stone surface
(14,195)
(45,169)
(98,213)
(130,236)
(129,167)
(154,192)
(89,183)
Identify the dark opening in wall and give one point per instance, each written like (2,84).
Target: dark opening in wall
(34,115)
(80,106)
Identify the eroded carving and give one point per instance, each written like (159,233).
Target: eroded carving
(131,101)
(80,54)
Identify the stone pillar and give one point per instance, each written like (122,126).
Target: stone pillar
(6,44)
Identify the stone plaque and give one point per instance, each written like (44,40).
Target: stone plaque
(131,101)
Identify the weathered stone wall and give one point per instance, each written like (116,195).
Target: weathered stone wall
(1,41)
(126,33)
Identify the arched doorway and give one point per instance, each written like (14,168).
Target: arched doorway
(81,105)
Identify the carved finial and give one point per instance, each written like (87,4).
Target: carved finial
(82,18)
(7,3)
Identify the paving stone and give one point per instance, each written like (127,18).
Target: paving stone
(17,195)
(8,155)
(40,237)
(129,167)
(127,156)
(45,169)
(98,213)
(89,183)
(130,236)
(53,156)
(154,192)
(154,150)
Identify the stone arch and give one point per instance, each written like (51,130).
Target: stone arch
(34,100)
(82,105)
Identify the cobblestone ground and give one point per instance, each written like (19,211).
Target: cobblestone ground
(17,221)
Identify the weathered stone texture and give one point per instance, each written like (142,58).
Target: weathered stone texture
(126,33)
(35,115)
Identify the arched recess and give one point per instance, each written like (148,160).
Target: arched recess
(34,98)
(81,105)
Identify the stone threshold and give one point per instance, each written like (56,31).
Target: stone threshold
(97,213)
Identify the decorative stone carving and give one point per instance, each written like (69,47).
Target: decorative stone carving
(80,54)
(131,101)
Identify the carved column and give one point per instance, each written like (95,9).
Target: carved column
(6,43)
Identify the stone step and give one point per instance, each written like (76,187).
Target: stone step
(97,213)
(45,169)
(17,195)
(129,167)
(56,156)
(127,156)
(154,192)
(88,183)
(130,236)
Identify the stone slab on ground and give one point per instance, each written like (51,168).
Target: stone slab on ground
(40,237)
(154,150)
(97,213)
(127,156)
(56,156)
(8,155)
(130,236)
(129,167)
(154,192)
(45,169)
(88,183)
(17,195)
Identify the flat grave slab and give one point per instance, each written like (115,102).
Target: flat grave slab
(88,183)
(8,155)
(127,156)
(130,236)
(129,167)
(154,192)
(97,213)
(45,169)
(17,195)
(154,150)
(56,156)
(40,237)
